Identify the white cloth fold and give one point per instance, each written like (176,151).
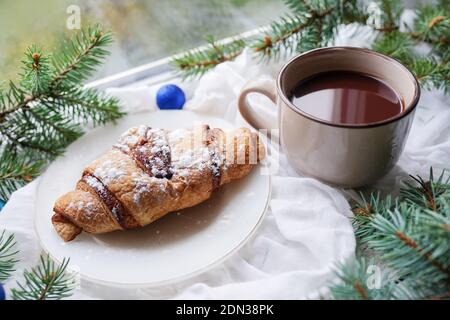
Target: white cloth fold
(307,229)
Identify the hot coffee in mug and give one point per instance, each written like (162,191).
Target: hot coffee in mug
(344,113)
(346,97)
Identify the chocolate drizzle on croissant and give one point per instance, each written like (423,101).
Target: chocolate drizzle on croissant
(118,211)
(151,172)
(152,153)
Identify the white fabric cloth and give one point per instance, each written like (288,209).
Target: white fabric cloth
(307,229)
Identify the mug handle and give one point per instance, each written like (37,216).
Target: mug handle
(265,87)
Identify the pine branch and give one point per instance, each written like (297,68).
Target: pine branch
(79,57)
(84,106)
(426,193)
(197,62)
(395,44)
(12,100)
(7,253)
(299,6)
(430,72)
(286,34)
(45,282)
(432,25)
(347,11)
(77,60)
(357,283)
(411,237)
(312,23)
(36,76)
(45,112)
(365,210)
(406,250)
(300,32)
(390,15)
(15,171)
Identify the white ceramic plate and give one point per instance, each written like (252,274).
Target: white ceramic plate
(178,246)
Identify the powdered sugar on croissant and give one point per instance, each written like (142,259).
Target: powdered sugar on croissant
(151,172)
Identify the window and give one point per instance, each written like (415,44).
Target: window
(144,30)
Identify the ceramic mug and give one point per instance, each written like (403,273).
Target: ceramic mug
(346,155)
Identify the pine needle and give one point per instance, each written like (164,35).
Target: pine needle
(49,107)
(312,23)
(197,62)
(47,281)
(7,256)
(410,236)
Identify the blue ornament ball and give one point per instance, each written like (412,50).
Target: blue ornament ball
(2,293)
(2,204)
(170,97)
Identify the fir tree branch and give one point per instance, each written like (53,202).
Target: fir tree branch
(14,100)
(390,15)
(429,71)
(7,256)
(356,282)
(15,171)
(80,56)
(411,237)
(298,6)
(198,61)
(86,105)
(45,112)
(403,241)
(431,25)
(395,44)
(293,33)
(312,23)
(426,193)
(45,282)
(36,76)
(77,60)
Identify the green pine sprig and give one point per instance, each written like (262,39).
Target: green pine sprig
(7,256)
(432,26)
(296,33)
(409,237)
(358,282)
(36,71)
(391,11)
(80,56)
(16,170)
(431,71)
(428,194)
(47,281)
(47,109)
(312,23)
(197,62)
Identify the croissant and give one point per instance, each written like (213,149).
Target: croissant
(151,172)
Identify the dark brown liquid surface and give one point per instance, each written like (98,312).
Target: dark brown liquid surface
(345,97)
